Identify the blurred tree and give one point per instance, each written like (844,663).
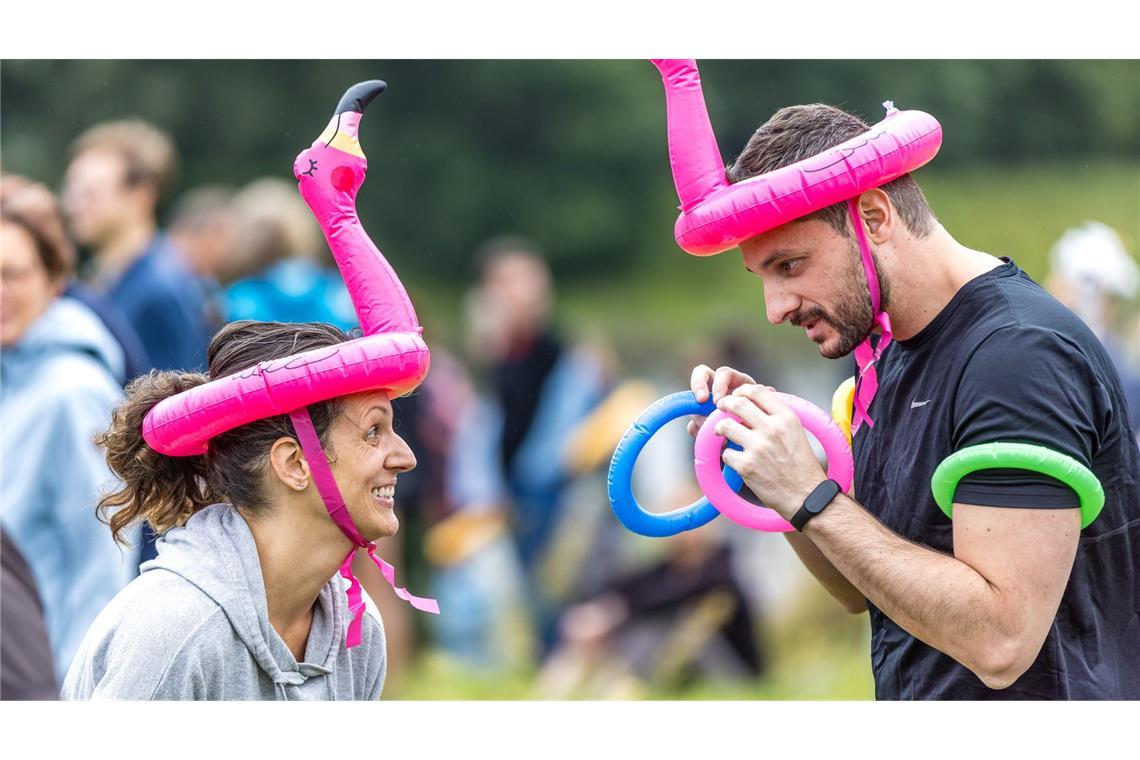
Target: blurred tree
(569,152)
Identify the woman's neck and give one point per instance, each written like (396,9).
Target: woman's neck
(297,560)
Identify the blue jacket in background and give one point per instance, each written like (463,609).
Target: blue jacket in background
(58,385)
(165,302)
(294,290)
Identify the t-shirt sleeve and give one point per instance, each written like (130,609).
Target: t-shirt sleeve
(1027,385)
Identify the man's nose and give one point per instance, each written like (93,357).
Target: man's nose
(779,304)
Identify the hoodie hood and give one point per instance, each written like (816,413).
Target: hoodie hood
(67,327)
(215,552)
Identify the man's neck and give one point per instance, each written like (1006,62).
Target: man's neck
(297,560)
(926,275)
(117,253)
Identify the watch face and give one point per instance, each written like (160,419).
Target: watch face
(815,503)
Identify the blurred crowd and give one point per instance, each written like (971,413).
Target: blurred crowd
(506,518)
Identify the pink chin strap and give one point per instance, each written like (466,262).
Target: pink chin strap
(334,502)
(867,379)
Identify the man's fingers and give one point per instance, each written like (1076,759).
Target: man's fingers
(699,382)
(733,431)
(695,423)
(744,408)
(764,397)
(725,380)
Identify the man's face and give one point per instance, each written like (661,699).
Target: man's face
(813,277)
(97,200)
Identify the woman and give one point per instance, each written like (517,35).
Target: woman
(60,376)
(265,479)
(242,601)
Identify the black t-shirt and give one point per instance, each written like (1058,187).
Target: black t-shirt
(1004,361)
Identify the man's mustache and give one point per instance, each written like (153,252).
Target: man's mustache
(801,318)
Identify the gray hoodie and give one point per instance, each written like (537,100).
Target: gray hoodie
(194,625)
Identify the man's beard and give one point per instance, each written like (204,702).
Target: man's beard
(853,318)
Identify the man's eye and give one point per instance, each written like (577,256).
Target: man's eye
(373,433)
(789,267)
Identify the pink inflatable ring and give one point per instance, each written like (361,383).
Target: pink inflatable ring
(709,446)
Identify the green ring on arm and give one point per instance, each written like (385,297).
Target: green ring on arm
(1017,456)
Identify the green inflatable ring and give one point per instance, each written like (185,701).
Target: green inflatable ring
(1018,456)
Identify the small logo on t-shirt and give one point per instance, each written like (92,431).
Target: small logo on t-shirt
(917,404)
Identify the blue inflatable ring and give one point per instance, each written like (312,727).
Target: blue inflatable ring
(625,506)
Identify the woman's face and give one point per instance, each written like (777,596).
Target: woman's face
(368,457)
(26,291)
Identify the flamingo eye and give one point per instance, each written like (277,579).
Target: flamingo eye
(312,168)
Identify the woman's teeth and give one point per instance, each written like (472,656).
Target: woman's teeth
(387,492)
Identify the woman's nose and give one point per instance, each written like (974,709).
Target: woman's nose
(402,458)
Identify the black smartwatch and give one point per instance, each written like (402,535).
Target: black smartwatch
(815,503)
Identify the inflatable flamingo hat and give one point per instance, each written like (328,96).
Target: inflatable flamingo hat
(717,216)
(391,356)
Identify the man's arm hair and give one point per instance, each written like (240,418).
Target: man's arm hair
(989,606)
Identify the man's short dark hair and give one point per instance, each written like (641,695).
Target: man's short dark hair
(798,132)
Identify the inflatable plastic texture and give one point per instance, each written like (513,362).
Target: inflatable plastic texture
(840,465)
(1017,456)
(717,216)
(391,356)
(631,514)
(843,406)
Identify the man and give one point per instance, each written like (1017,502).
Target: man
(1011,595)
(118,174)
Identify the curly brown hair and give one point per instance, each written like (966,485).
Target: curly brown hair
(167,491)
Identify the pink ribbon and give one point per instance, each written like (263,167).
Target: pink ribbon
(867,380)
(334,502)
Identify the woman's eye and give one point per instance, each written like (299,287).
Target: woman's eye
(373,433)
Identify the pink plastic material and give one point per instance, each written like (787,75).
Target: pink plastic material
(392,356)
(709,448)
(717,216)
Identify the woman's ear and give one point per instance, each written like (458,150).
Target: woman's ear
(288,464)
(878,214)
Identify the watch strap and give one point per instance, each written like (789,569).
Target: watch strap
(815,503)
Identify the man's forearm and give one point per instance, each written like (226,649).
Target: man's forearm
(831,579)
(933,596)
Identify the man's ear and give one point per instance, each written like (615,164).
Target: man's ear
(878,214)
(287,463)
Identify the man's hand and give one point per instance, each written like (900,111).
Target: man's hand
(776,460)
(720,383)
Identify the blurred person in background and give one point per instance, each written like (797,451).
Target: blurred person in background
(61,373)
(509,456)
(682,617)
(27,670)
(283,270)
(34,201)
(118,174)
(1092,274)
(204,229)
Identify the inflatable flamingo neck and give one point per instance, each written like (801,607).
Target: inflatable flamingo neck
(329,175)
(698,169)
